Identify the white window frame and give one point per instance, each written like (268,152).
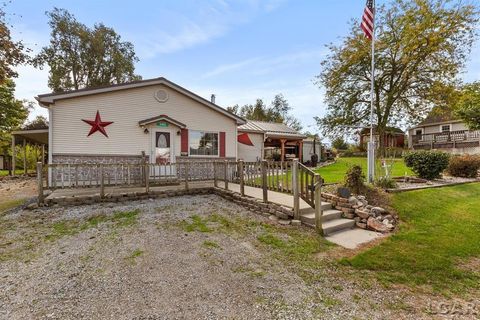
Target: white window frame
(449,127)
(204,156)
(421,135)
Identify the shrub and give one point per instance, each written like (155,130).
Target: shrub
(386,183)
(427,164)
(354,179)
(466,166)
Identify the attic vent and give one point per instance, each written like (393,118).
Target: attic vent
(161,95)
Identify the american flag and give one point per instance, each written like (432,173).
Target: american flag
(367,20)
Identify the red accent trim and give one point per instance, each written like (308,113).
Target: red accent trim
(243,138)
(222,144)
(184,140)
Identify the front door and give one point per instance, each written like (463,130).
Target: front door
(162,155)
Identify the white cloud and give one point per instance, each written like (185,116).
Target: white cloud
(177,31)
(264,65)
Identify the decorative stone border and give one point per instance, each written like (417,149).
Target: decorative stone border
(272,210)
(366,216)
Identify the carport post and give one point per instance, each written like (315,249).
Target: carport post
(24,156)
(40,183)
(13,155)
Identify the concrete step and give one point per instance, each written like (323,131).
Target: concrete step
(335,225)
(331,214)
(308,209)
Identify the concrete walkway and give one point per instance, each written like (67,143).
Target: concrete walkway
(349,238)
(280,198)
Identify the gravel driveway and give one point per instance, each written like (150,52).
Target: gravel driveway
(188,257)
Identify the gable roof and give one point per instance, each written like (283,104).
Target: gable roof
(47,99)
(270,129)
(439,115)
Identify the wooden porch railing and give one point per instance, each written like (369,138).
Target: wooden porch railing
(450,136)
(289,177)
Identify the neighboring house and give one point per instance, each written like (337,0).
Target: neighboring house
(392,138)
(444,132)
(259,140)
(154,119)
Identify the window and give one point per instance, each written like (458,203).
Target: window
(445,128)
(203,143)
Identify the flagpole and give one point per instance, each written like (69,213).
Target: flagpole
(371,143)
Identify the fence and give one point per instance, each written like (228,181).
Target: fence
(288,177)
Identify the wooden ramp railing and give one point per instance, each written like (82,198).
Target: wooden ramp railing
(290,177)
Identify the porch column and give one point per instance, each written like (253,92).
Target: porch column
(24,156)
(13,156)
(300,151)
(282,152)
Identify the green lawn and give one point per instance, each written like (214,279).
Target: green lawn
(18,172)
(336,172)
(438,244)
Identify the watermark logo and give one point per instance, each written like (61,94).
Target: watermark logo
(454,308)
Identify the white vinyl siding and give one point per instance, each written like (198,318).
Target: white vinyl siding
(251,153)
(126,108)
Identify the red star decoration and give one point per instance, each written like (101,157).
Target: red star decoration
(97,125)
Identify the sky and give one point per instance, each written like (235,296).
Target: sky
(239,50)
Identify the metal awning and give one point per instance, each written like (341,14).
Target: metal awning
(37,136)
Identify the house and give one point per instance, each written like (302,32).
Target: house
(392,138)
(154,120)
(443,131)
(259,140)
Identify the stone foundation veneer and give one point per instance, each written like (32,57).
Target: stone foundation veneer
(96,159)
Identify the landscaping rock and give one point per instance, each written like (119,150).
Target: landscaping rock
(32,206)
(361,225)
(273,218)
(352,200)
(378,210)
(296,222)
(375,225)
(362,214)
(284,222)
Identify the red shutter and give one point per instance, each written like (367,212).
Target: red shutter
(222,144)
(184,141)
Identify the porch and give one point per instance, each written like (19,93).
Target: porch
(280,190)
(447,140)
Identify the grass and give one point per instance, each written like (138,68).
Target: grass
(71,227)
(17,172)
(10,203)
(294,247)
(435,246)
(211,244)
(135,254)
(336,172)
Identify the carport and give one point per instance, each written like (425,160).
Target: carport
(38,137)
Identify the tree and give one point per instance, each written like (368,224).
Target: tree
(278,111)
(13,113)
(468,105)
(421,46)
(12,53)
(82,57)
(40,122)
(339,144)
